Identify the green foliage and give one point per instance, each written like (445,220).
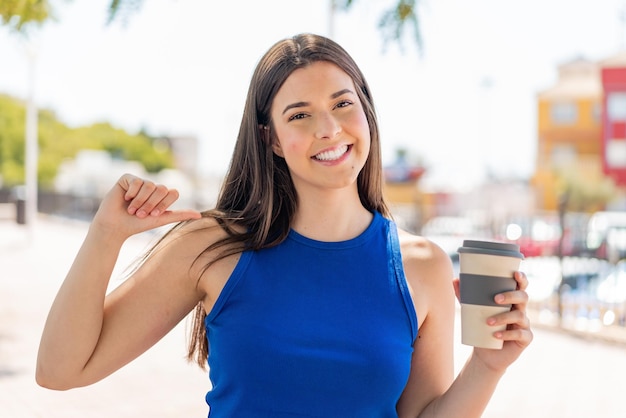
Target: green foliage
(17,14)
(57,142)
(12,126)
(342,4)
(584,193)
(123,145)
(123,8)
(393,22)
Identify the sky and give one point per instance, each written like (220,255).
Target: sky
(464,107)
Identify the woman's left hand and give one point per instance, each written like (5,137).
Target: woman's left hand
(517,335)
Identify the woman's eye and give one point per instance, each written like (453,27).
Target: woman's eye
(297,116)
(344,103)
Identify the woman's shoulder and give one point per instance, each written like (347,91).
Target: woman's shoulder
(429,275)
(206,223)
(214,250)
(423,259)
(211,222)
(419,248)
(203,232)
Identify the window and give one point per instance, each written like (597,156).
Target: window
(616,153)
(563,113)
(616,106)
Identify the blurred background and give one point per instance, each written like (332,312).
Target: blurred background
(499,120)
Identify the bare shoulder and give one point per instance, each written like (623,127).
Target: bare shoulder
(186,246)
(205,223)
(422,253)
(429,274)
(196,235)
(209,266)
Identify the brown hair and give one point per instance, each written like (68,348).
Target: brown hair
(258,195)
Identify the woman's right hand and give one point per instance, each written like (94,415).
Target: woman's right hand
(89,332)
(136,205)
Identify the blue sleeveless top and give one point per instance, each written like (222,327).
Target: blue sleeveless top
(313,329)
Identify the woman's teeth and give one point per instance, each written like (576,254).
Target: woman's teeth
(332,154)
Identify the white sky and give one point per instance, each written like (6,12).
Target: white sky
(182,67)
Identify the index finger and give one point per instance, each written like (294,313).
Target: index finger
(131,185)
(522,280)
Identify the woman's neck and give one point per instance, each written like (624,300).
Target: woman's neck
(332,216)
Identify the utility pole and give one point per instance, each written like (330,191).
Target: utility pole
(562,208)
(31,141)
(331,18)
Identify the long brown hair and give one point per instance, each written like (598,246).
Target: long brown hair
(258,195)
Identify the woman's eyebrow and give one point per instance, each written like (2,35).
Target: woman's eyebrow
(340,92)
(302,104)
(297,104)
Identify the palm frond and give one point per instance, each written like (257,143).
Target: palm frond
(393,22)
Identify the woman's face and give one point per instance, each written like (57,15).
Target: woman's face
(320,127)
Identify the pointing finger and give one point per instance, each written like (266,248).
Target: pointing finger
(522,280)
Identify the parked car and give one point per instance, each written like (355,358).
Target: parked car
(540,235)
(536,235)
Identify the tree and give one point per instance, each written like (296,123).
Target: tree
(18,13)
(11,141)
(58,142)
(393,21)
(579,193)
(583,192)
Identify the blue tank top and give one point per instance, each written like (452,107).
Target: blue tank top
(313,329)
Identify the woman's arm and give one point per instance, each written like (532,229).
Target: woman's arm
(429,275)
(430,391)
(89,335)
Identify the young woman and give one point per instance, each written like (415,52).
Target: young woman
(312,301)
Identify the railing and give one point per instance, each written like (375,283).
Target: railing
(589,300)
(51,203)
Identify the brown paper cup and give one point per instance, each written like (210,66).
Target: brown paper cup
(486,269)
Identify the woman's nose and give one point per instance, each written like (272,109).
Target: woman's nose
(327,126)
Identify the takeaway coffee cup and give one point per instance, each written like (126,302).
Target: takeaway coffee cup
(486,269)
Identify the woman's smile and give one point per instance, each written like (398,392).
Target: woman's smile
(333,155)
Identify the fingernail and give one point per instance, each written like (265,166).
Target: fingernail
(491,321)
(155,212)
(499,298)
(132,210)
(141,213)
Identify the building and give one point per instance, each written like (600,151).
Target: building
(401,191)
(581,135)
(613,72)
(185,150)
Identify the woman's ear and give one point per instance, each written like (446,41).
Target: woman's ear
(270,140)
(277,148)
